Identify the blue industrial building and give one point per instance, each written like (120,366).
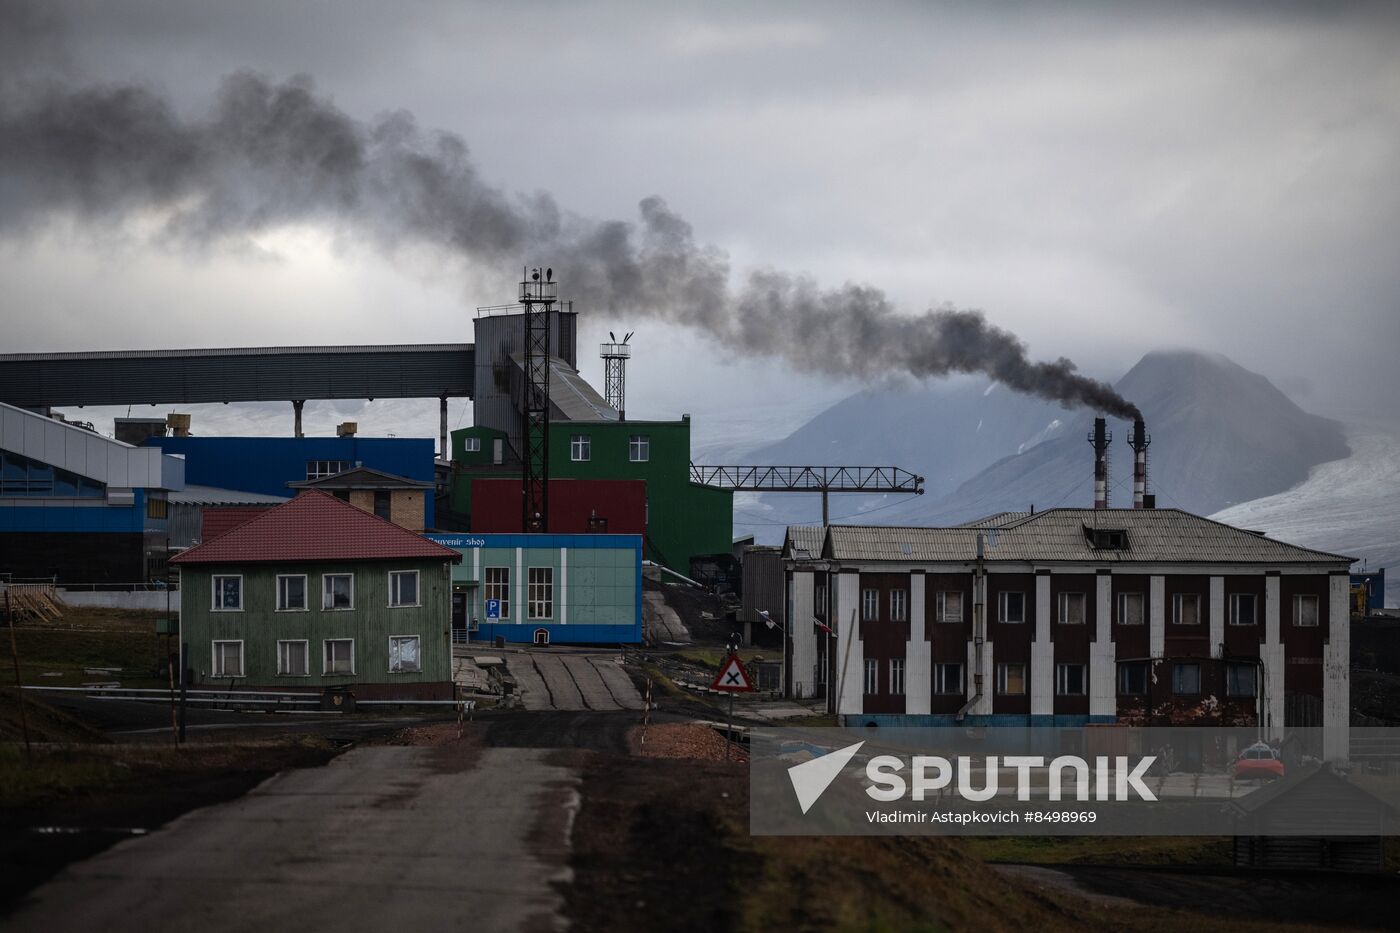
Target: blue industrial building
(267,464)
(547,589)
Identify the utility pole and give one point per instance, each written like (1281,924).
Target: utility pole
(19,687)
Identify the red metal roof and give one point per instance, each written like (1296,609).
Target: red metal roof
(314,526)
(221,520)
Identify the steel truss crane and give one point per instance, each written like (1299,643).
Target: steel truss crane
(822,479)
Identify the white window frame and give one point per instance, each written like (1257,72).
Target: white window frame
(580,448)
(1062,609)
(896,676)
(320,469)
(418,654)
(215,590)
(530,599)
(1178,600)
(325,658)
(1122,617)
(1004,679)
(417,589)
(639,448)
(1003,600)
(940,678)
(306,656)
(869,604)
(325,594)
(1298,610)
(305,595)
(1179,666)
(1062,679)
(1235,600)
(471,445)
(215,666)
(500,589)
(872,677)
(940,606)
(899,605)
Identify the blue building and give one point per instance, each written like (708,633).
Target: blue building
(547,589)
(1374,582)
(267,464)
(79,507)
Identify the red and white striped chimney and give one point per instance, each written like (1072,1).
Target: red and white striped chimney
(1138,441)
(1099,439)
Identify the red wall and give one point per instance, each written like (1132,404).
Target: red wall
(496,505)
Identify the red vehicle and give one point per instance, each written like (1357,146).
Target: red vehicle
(1258,761)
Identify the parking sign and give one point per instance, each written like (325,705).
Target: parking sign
(493,608)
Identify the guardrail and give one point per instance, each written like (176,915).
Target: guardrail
(232,697)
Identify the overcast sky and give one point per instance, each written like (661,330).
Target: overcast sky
(1100,178)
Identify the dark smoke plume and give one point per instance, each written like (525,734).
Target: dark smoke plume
(273,153)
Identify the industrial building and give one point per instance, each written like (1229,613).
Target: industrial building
(317,594)
(398,499)
(1068,617)
(546,588)
(76,507)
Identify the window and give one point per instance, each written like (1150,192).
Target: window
(403,588)
(228,659)
(291,593)
(21,476)
(897,676)
(156,508)
(821,599)
(1011,678)
(869,605)
(383,504)
(291,658)
(1186,679)
(541,602)
(338,591)
(639,448)
(1113,539)
(872,676)
(1070,680)
(947,607)
(320,469)
(1240,680)
(1305,610)
(498,588)
(899,605)
(339,656)
(228,594)
(471,445)
(1242,609)
(948,677)
(403,654)
(1011,607)
(1132,678)
(580,447)
(1186,609)
(1071,608)
(1130,609)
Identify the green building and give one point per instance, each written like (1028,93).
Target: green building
(682,520)
(315,594)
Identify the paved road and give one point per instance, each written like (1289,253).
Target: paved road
(572,681)
(384,838)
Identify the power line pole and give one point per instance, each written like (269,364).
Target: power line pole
(19,687)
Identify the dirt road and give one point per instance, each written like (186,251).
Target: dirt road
(572,681)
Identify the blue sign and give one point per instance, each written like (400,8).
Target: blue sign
(493,608)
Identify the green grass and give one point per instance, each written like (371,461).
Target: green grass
(60,654)
(711,657)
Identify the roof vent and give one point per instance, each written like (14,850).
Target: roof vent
(906,549)
(1110,539)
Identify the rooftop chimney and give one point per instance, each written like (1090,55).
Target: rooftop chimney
(178,423)
(347,429)
(1099,439)
(1139,440)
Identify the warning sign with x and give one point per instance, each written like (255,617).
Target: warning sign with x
(732,676)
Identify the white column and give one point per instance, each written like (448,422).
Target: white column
(1272,660)
(1042,652)
(1103,696)
(803,635)
(519,612)
(918,664)
(1217,616)
(850,652)
(1157,617)
(1336,672)
(564,586)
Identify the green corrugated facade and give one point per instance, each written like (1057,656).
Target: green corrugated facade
(259,625)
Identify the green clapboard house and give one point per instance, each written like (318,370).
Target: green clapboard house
(317,593)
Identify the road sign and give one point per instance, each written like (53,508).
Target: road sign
(732,676)
(493,608)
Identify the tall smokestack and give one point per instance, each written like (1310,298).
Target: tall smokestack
(1099,439)
(1139,440)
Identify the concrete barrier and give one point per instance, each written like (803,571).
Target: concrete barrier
(120,599)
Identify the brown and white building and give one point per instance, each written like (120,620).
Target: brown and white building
(1069,617)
